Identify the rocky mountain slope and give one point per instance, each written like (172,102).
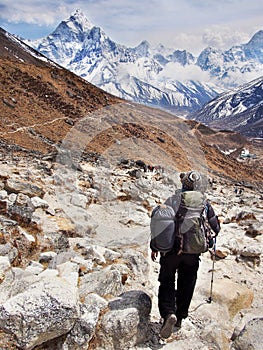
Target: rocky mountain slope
(150,75)
(80,174)
(240,110)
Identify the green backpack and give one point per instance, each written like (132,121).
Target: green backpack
(191,231)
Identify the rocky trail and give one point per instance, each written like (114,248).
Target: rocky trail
(75,263)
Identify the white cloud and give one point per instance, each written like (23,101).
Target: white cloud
(32,12)
(184,73)
(236,79)
(224,37)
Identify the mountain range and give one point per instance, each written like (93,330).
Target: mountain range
(42,104)
(172,79)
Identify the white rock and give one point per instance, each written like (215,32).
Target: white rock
(3,195)
(69,271)
(39,202)
(35,268)
(79,200)
(252,251)
(84,265)
(47,310)
(28,236)
(4,264)
(106,281)
(119,329)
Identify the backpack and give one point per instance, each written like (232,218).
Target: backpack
(162,228)
(191,231)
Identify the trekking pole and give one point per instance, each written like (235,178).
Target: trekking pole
(209,300)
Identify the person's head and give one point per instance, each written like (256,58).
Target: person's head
(191,180)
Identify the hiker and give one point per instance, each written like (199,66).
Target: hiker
(174,304)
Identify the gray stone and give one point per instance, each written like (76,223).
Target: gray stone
(85,327)
(127,322)
(5,249)
(253,251)
(61,258)
(22,209)
(47,310)
(16,280)
(8,250)
(250,338)
(46,257)
(137,262)
(26,188)
(104,282)
(94,253)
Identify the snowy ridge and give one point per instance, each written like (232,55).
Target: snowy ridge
(28,49)
(240,110)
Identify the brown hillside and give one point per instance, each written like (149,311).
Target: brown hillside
(44,106)
(40,101)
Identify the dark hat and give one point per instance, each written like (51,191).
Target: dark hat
(190,180)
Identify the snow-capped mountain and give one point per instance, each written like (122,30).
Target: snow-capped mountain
(240,110)
(172,79)
(238,64)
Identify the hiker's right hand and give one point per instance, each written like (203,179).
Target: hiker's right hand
(154,255)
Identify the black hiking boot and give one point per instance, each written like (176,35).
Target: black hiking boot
(178,323)
(167,326)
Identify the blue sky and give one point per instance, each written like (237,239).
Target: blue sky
(180,24)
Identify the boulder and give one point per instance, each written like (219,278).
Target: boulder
(46,310)
(21,209)
(46,257)
(234,296)
(85,327)
(250,337)
(27,188)
(105,282)
(8,250)
(142,302)
(127,323)
(94,253)
(34,267)
(61,258)
(137,263)
(14,281)
(253,251)
(254,230)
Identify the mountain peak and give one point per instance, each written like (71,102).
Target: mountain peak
(257,39)
(80,21)
(142,48)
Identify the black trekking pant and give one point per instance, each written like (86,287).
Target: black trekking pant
(171,300)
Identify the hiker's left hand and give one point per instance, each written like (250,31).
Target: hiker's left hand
(154,255)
